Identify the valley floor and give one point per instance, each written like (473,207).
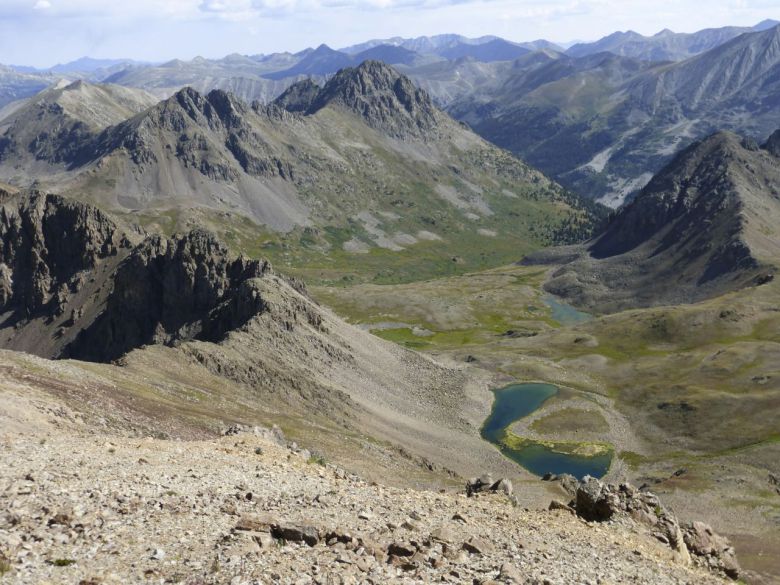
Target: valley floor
(687,395)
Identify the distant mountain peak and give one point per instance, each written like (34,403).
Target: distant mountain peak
(765,24)
(386,99)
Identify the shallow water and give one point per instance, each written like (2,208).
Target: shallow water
(519,400)
(565,314)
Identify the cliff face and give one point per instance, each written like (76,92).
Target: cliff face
(168,291)
(74,286)
(47,245)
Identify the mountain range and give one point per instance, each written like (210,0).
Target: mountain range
(665,45)
(351,245)
(599,118)
(603,124)
(264,77)
(365,161)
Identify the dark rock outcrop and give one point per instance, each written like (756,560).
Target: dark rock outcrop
(169,291)
(47,246)
(299,96)
(73,285)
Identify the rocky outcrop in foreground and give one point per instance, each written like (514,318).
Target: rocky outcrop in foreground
(594,500)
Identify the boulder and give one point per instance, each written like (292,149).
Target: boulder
(296,533)
(556,505)
(444,534)
(502,485)
(594,500)
(478,545)
(256,522)
(714,549)
(510,573)
(401,549)
(486,483)
(569,483)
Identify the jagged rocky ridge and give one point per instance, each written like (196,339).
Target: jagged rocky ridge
(705,225)
(387,100)
(70,275)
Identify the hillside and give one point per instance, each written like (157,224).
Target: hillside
(603,124)
(370,163)
(705,225)
(249,506)
(249,342)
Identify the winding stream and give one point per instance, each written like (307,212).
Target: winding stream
(516,401)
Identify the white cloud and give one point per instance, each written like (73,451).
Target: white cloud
(42,5)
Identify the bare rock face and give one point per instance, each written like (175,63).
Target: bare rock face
(211,134)
(47,243)
(73,285)
(168,291)
(299,96)
(715,550)
(387,100)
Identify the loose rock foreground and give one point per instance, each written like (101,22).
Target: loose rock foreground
(248,508)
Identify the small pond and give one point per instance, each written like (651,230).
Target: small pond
(563,313)
(519,400)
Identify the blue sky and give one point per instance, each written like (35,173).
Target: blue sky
(45,32)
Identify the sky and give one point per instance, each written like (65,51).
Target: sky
(42,33)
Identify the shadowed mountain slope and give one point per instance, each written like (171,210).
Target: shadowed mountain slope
(73,285)
(705,225)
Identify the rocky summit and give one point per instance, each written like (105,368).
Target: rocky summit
(385,99)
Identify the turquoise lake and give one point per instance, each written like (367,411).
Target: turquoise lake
(519,400)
